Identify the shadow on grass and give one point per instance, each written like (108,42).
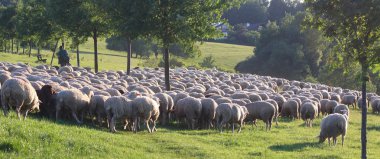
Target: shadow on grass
(7,147)
(375,128)
(293,147)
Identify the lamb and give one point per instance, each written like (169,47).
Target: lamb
(261,110)
(97,108)
(291,109)
(166,106)
(147,109)
(208,112)
(332,126)
(73,100)
(19,94)
(119,107)
(309,112)
(192,109)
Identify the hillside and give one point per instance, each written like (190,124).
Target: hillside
(36,138)
(226,56)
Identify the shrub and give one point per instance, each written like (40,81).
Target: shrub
(208,62)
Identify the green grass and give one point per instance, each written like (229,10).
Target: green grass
(226,56)
(39,138)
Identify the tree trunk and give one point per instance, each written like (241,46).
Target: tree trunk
(5,46)
(166,58)
(78,61)
(30,48)
(129,41)
(23,50)
(96,50)
(364,109)
(12,42)
(17,46)
(52,57)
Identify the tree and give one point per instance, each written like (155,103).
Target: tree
(7,24)
(355,28)
(81,19)
(277,10)
(130,19)
(286,51)
(33,24)
(253,11)
(186,21)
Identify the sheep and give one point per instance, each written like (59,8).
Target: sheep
(291,109)
(342,109)
(375,104)
(360,103)
(166,106)
(330,105)
(280,101)
(323,103)
(19,94)
(4,77)
(148,110)
(274,103)
(223,100)
(97,108)
(349,100)
(113,92)
(238,116)
(46,95)
(73,100)
(223,115)
(309,112)
(332,126)
(255,97)
(208,112)
(261,110)
(192,109)
(119,107)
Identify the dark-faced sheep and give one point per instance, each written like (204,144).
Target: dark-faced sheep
(19,94)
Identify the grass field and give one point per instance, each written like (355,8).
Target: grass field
(40,138)
(226,56)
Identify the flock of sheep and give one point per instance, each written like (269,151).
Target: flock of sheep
(200,99)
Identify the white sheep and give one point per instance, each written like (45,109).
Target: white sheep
(73,100)
(332,126)
(19,94)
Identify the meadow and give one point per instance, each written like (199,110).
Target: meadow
(42,138)
(226,56)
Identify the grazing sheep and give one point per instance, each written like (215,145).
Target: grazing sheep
(309,112)
(360,103)
(113,92)
(336,97)
(119,107)
(342,109)
(19,94)
(261,110)
(192,109)
(73,100)
(332,126)
(4,77)
(208,112)
(375,104)
(291,109)
(330,105)
(280,101)
(223,100)
(274,103)
(223,115)
(349,100)
(97,108)
(238,116)
(147,109)
(47,108)
(166,106)
(323,103)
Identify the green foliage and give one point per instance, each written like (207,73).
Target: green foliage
(241,35)
(286,51)
(252,11)
(208,62)
(174,62)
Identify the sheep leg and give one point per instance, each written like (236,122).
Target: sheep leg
(75,117)
(99,118)
(147,126)
(270,125)
(18,110)
(112,125)
(233,127)
(125,124)
(154,126)
(334,141)
(342,140)
(57,111)
(241,124)
(24,113)
(329,141)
